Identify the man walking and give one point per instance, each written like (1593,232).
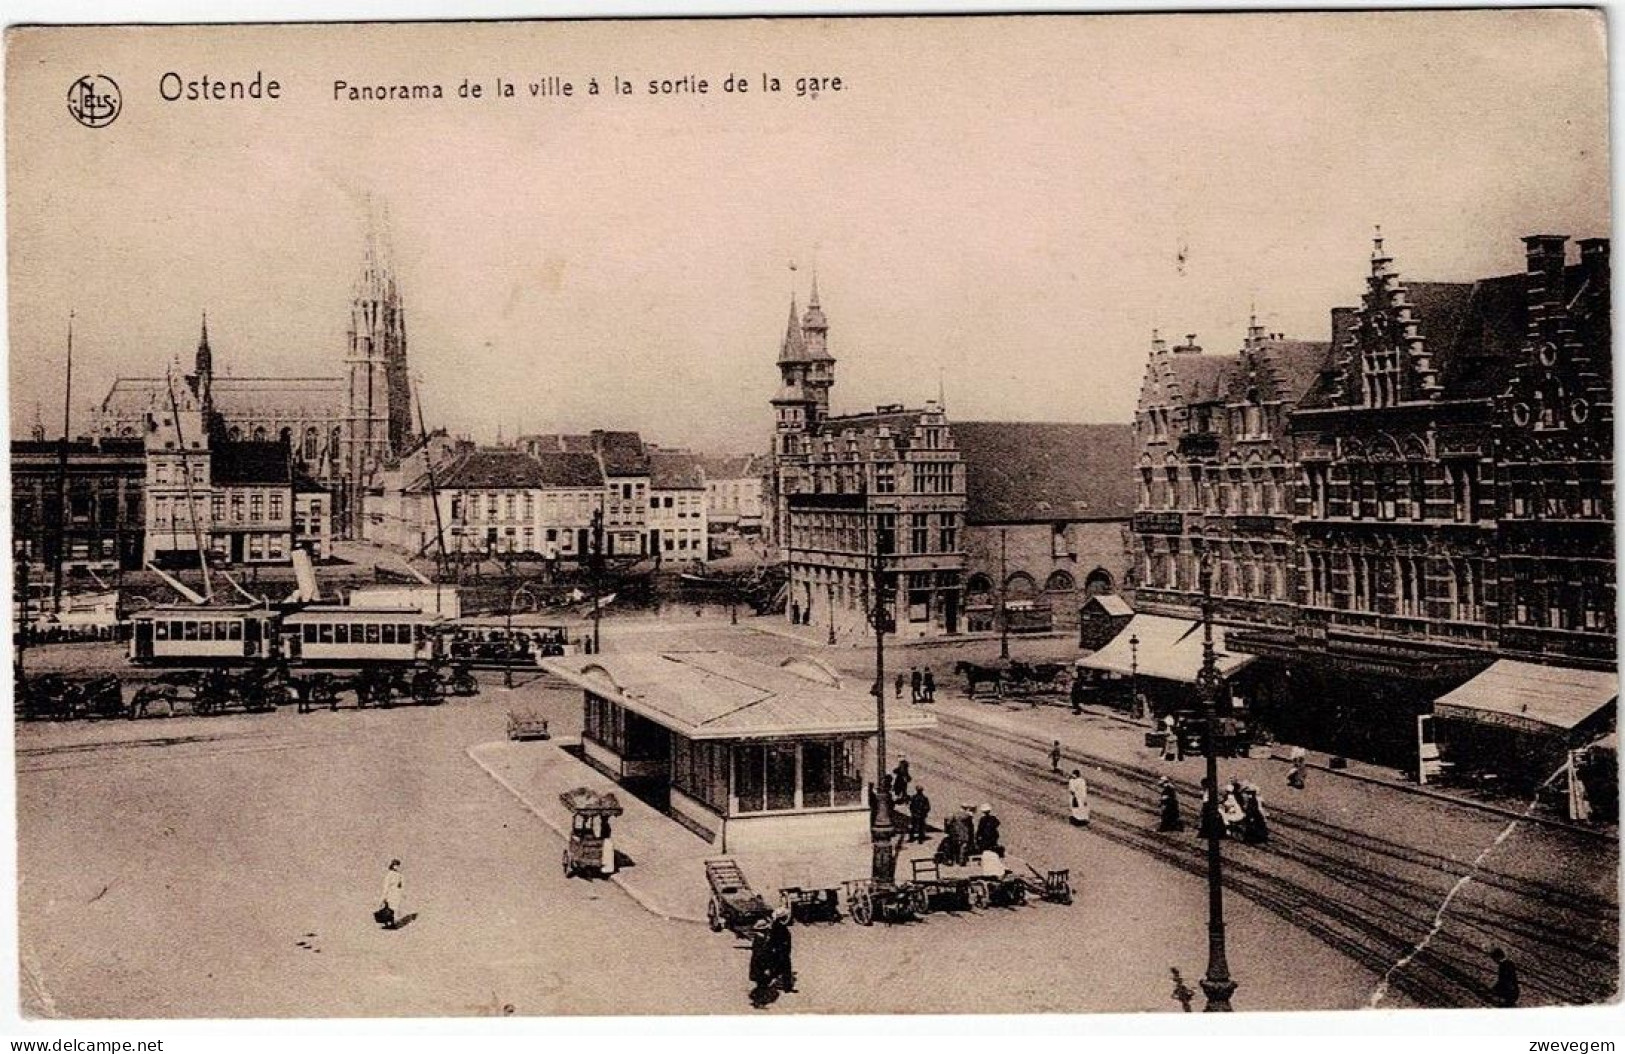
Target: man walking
(930,685)
(901,680)
(1055,756)
(916,682)
(1505,992)
(1078,788)
(919,807)
(782,970)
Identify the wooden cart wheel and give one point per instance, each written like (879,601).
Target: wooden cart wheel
(1018,895)
(918,902)
(1065,893)
(978,896)
(863,910)
(713,915)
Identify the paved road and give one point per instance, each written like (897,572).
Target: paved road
(227,866)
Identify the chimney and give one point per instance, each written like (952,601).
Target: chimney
(1543,284)
(1594,261)
(1190,347)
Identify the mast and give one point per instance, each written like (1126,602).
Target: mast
(61,531)
(434,497)
(186,477)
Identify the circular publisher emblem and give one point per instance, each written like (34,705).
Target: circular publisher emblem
(94,100)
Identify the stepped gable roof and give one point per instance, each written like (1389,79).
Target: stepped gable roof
(674,471)
(248,463)
(503,469)
(1295,363)
(1040,472)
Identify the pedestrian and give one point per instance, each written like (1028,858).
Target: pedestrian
(901,680)
(930,681)
(916,683)
(900,780)
(987,831)
(919,808)
(780,966)
(1172,748)
(1210,825)
(607,858)
(1230,810)
(389,914)
(1078,692)
(1055,756)
(761,966)
(1171,820)
(1505,992)
(1078,787)
(961,835)
(795,613)
(1300,768)
(1255,827)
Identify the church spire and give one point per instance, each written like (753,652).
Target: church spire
(794,348)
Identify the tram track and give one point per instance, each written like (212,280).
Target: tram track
(1383,893)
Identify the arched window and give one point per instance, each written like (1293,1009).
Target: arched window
(1020,584)
(234,434)
(311,440)
(259,434)
(1060,582)
(1098,583)
(286,436)
(979,583)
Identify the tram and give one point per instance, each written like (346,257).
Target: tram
(315,635)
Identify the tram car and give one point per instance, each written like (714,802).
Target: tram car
(337,635)
(315,635)
(199,635)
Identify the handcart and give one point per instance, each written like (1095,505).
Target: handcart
(1052,886)
(947,893)
(527,724)
(868,900)
(733,903)
(811,905)
(590,849)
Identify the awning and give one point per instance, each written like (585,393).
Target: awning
(1169,649)
(1544,700)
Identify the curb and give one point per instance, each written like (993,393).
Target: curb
(1404,788)
(637,898)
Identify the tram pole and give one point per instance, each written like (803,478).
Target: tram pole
(881,832)
(1217,983)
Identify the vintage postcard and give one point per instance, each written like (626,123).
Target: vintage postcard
(801,516)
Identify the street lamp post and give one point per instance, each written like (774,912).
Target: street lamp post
(884,858)
(831,598)
(508,649)
(1134,674)
(1217,983)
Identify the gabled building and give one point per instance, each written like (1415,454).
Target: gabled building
(733,493)
(677,524)
(1047,512)
(846,491)
(508,502)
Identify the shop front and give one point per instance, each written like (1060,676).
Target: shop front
(746,754)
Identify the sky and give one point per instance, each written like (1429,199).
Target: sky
(997,206)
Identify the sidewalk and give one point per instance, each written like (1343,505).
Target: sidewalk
(1054,719)
(665,868)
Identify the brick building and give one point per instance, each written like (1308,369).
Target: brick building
(1046,517)
(844,489)
(95,495)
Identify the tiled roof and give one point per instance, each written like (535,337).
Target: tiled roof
(517,470)
(1026,472)
(1295,363)
(249,463)
(622,452)
(1201,378)
(672,471)
(732,466)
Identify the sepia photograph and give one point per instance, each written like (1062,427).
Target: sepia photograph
(1043,514)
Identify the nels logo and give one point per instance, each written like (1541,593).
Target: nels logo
(94,100)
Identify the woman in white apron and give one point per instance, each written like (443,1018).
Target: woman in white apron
(1078,787)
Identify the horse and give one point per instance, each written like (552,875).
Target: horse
(976,675)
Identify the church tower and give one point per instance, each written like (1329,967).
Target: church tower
(203,371)
(378,404)
(820,363)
